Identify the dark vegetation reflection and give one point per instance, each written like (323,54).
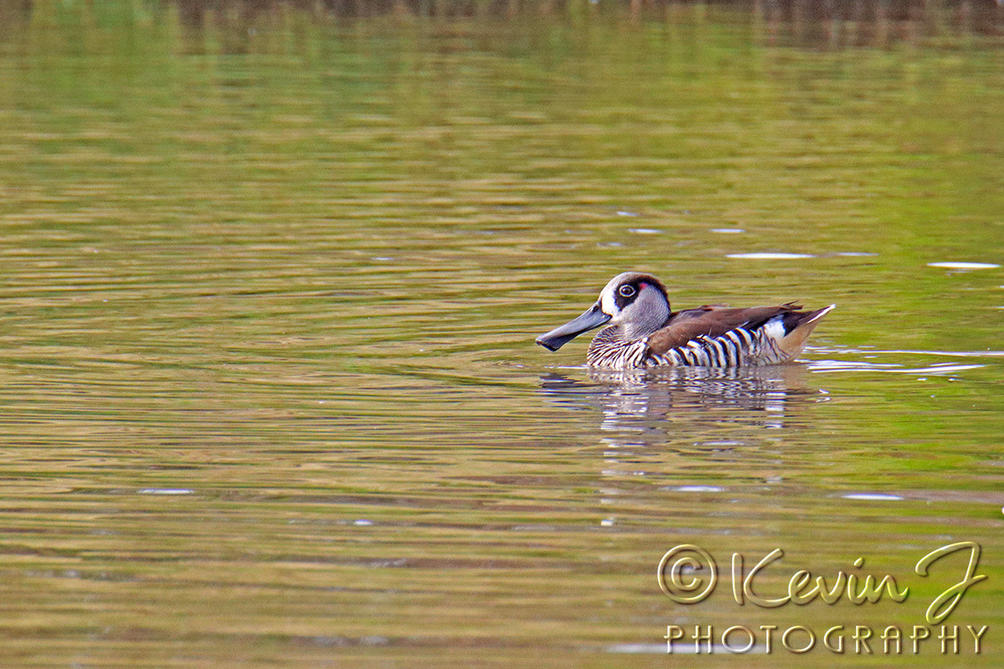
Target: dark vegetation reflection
(840,23)
(976,14)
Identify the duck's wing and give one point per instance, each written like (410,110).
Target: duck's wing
(716,320)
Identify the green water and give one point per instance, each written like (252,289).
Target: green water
(270,286)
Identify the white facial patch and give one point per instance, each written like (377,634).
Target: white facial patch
(608,304)
(608,301)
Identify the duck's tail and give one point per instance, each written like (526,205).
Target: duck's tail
(798,326)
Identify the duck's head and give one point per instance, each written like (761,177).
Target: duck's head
(635,302)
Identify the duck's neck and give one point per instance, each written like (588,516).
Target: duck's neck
(622,334)
(610,348)
(642,327)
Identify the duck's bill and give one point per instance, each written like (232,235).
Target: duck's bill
(558,337)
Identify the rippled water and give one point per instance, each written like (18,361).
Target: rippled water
(272,279)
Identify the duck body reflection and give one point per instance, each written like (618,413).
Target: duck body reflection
(657,399)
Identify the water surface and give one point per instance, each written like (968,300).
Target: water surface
(272,279)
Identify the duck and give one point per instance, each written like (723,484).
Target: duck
(643,331)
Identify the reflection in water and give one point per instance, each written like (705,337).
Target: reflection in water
(669,435)
(857,24)
(628,398)
(902,17)
(803,22)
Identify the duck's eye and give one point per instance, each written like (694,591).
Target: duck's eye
(626,290)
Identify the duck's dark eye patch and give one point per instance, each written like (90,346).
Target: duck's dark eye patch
(627,290)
